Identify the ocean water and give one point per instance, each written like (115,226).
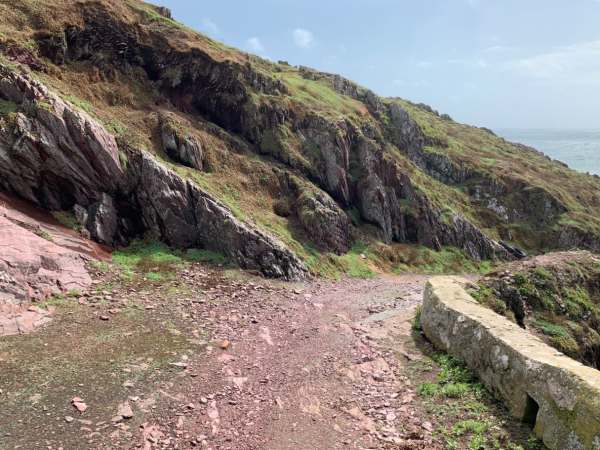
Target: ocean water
(579,149)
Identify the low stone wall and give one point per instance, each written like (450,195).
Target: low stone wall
(557,395)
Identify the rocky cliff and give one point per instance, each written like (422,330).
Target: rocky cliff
(136,124)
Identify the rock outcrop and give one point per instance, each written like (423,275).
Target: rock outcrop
(183,215)
(39,258)
(51,153)
(346,160)
(557,395)
(61,159)
(326,224)
(182,148)
(412,174)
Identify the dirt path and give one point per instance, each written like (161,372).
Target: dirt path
(314,369)
(218,360)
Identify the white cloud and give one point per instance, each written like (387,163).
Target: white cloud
(303,38)
(573,63)
(210,27)
(255,45)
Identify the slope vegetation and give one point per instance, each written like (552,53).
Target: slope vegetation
(291,167)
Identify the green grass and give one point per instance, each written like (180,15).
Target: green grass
(560,301)
(206,256)
(146,253)
(319,96)
(467,414)
(44,234)
(156,261)
(355,262)
(7,107)
(116,127)
(80,103)
(454,380)
(101,266)
(67,219)
(449,260)
(154,276)
(428,389)
(416,321)
(470,426)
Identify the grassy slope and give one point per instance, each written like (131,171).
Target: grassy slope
(243,180)
(477,148)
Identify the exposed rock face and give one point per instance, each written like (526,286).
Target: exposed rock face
(54,156)
(184,149)
(185,216)
(102,221)
(32,267)
(574,237)
(365,153)
(324,221)
(405,132)
(61,159)
(38,259)
(346,161)
(557,395)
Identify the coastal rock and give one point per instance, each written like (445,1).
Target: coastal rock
(182,148)
(183,215)
(55,155)
(61,159)
(327,225)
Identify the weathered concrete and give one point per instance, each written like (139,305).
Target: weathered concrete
(517,366)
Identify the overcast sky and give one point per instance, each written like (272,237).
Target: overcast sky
(495,63)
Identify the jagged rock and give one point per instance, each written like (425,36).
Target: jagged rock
(181,147)
(183,215)
(374,206)
(406,134)
(32,267)
(327,225)
(515,251)
(164,11)
(52,46)
(364,151)
(102,221)
(58,157)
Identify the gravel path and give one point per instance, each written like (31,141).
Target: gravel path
(316,367)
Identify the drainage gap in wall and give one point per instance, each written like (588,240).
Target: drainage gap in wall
(531,411)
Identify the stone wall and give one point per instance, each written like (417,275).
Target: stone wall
(557,395)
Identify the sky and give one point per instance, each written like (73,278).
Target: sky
(493,63)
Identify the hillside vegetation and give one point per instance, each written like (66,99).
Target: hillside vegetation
(342,177)
(556,296)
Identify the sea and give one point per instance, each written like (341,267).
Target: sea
(580,150)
